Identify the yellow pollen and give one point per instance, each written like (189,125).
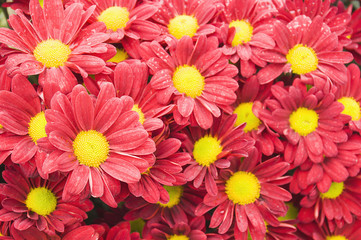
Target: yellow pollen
(243,188)
(303,59)
(291,214)
(36,129)
(338,237)
(114,17)
(41,3)
(91,148)
(183,25)
(335,190)
(52,53)
(138,110)
(41,201)
(120,56)
(188,80)
(352,107)
(1,126)
(245,114)
(349,36)
(206,150)
(175,194)
(244,32)
(303,121)
(178,237)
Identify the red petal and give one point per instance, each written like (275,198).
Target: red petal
(96,183)
(121,170)
(84,111)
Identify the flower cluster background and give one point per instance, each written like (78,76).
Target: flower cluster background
(180,119)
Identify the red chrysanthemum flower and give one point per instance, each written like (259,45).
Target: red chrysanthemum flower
(345,164)
(37,202)
(197,78)
(182,203)
(311,121)
(99,142)
(22,115)
(245,32)
(125,18)
(53,44)
(213,149)
(248,196)
(131,80)
(167,170)
(350,97)
(192,230)
(336,21)
(341,203)
(314,231)
(307,48)
(250,96)
(192,18)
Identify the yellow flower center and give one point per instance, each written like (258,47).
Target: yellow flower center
(91,148)
(41,3)
(138,110)
(114,17)
(335,190)
(175,194)
(303,121)
(352,107)
(178,237)
(291,214)
(188,80)
(120,56)
(338,237)
(36,129)
(245,114)
(303,59)
(206,150)
(243,188)
(1,126)
(52,53)
(244,32)
(183,25)
(41,201)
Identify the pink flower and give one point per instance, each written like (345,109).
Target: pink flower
(99,142)
(54,44)
(308,48)
(124,18)
(196,77)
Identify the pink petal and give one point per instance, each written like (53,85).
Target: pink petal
(107,115)
(185,106)
(127,139)
(96,183)
(269,73)
(335,57)
(54,14)
(84,111)
(24,151)
(203,116)
(77,180)
(121,170)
